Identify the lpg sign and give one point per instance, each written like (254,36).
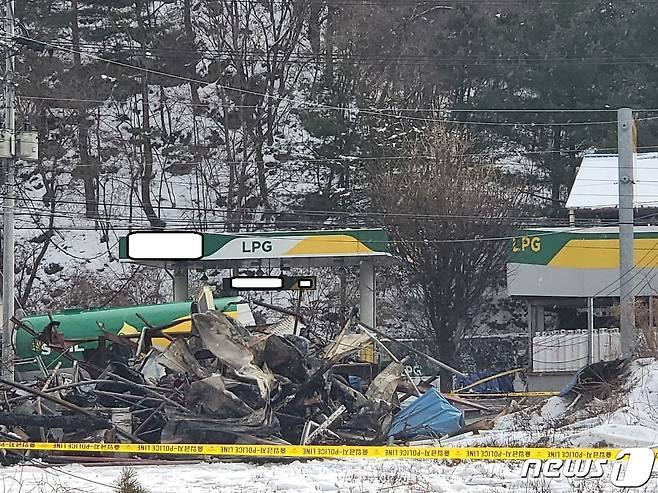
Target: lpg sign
(525,243)
(255,246)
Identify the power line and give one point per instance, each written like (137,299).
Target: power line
(350,159)
(451,240)
(428,110)
(55,245)
(252,55)
(479,238)
(318,105)
(646,280)
(187,102)
(305,212)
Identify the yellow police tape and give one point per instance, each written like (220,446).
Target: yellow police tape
(535,393)
(323,451)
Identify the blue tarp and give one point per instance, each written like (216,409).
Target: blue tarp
(430,415)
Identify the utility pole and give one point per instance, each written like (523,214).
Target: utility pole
(7,370)
(590,332)
(626,150)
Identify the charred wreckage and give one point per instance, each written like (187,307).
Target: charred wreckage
(221,383)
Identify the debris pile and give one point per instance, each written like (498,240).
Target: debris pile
(607,404)
(220,383)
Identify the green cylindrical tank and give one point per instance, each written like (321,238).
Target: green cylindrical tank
(81,325)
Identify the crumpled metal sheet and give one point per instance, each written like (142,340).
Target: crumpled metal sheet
(345,344)
(53,338)
(589,377)
(178,358)
(248,393)
(286,326)
(374,416)
(349,395)
(259,426)
(221,338)
(384,386)
(281,356)
(151,368)
(210,396)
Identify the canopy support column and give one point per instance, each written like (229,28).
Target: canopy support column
(591,357)
(181,283)
(535,325)
(367,308)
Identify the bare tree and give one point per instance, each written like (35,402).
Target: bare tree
(443,209)
(89,168)
(258,47)
(36,248)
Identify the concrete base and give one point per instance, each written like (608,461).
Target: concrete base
(548,381)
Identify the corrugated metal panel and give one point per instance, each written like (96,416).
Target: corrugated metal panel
(285,326)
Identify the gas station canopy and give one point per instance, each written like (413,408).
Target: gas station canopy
(578,262)
(185,250)
(272,249)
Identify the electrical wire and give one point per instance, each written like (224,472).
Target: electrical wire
(527,221)
(428,241)
(588,152)
(346,159)
(618,280)
(63,251)
(645,270)
(646,280)
(409,109)
(302,102)
(403,59)
(321,212)
(512,220)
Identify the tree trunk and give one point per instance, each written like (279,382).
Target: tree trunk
(147,173)
(50,189)
(443,331)
(262,176)
(314,26)
(189,33)
(89,170)
(556,170)
(446,349)
(329,52)
(147,149)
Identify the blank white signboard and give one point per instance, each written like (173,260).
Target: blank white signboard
(597,182)
(158,245)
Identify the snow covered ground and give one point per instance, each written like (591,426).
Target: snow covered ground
(353,476)
(628,417)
